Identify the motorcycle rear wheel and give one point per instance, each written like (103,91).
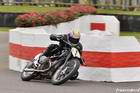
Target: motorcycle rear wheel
(62,75)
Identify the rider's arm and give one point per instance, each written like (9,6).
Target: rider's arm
(80,47)
(55,37)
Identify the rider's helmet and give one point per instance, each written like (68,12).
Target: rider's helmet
(74,36)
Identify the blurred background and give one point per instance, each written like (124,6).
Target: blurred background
(104,4)
(127,11)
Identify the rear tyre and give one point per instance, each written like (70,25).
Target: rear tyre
(27,76)
(65,73)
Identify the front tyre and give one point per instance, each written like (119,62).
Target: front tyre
(65,73)
(74,77)
(27,76)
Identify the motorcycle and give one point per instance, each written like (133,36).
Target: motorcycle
(61,67)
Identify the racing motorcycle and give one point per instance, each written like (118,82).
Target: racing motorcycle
(61,67)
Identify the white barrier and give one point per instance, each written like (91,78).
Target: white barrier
(107,25)
(107,55)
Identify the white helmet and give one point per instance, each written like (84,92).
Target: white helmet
(74,36)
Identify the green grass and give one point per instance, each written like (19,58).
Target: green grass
(5,29)
(113,11)
(136,34)
(27,8)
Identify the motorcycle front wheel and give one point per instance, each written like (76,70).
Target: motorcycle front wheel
(27,76)
(66,72)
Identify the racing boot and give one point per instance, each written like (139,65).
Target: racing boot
(40,60)
(43,59)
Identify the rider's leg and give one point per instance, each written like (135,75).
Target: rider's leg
(48,52)
(51,49)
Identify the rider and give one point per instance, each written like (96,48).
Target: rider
(72,38)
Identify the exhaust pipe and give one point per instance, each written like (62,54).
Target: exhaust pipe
(35,70)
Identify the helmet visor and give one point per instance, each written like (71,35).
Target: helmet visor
(74,40)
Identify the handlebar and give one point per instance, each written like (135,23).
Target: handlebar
(59,38)
(66,43)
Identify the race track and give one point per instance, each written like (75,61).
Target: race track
(10,81)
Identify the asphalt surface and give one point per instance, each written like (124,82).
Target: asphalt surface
(10,81)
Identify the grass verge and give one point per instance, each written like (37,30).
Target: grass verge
(27,8)
(117,11)
(5,29)
(136,34)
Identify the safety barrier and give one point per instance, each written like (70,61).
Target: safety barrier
(108,56)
